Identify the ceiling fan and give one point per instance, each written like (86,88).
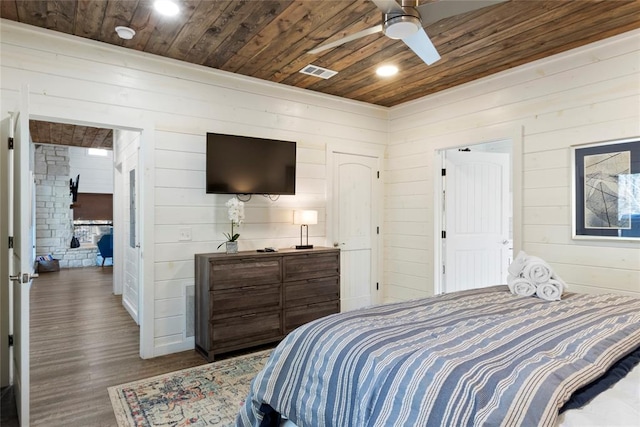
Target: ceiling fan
(405,22)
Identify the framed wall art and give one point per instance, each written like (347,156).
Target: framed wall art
(606,190)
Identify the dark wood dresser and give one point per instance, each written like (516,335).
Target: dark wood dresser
(252,298)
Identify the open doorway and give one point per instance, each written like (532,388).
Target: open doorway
(477,215)
(73,205)
(87,200)
(26,144)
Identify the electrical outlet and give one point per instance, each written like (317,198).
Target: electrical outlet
(185,234)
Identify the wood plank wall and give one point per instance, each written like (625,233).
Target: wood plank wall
(577,98)
(86,81)
(96,172)
(588,95)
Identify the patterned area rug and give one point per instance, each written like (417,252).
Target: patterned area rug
(208,395)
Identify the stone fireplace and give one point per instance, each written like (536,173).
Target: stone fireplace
(54,216)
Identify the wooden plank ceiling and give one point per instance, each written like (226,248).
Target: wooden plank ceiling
(68,134)
(270,40)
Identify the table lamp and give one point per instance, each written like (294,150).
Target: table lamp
(304,219)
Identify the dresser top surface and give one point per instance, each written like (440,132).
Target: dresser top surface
(284,251)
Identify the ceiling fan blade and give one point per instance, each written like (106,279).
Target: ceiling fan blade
(349,38)
(388,6)
(433,12)
(420,43)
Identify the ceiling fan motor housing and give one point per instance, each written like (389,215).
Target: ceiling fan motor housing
(399,26)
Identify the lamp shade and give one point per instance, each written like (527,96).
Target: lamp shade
(305,217)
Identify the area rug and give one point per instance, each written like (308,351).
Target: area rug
(208,395)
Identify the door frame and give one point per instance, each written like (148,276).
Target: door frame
(377,268)
(5,310)
(145,186)
(469,139)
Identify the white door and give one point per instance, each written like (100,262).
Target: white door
(355,221)
(127,224)
(131,291)
(21,260)
(477,245)
(5,311)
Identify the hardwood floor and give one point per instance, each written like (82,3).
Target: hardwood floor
(83,341)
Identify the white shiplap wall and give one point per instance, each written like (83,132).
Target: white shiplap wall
(587,95)
(96,172)
(174,105)
(583,96)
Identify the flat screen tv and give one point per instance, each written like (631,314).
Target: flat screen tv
(246,165)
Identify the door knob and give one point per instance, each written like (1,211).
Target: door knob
(336,244)
(505,242)
(23,278)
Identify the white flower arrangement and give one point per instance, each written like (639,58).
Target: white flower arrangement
(236,216)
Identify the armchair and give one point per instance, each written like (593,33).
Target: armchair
(105,246)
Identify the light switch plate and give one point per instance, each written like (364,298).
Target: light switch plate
(185,234)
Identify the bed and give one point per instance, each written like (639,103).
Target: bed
(470,358)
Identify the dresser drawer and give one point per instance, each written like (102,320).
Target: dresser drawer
(241,272)
(296,316)
(237,301)
(311,291)
(309,266)
(247,329)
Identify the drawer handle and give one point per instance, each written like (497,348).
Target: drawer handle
(248,315)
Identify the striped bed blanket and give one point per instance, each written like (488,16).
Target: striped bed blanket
(483,357)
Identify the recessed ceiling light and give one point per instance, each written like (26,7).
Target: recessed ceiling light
(166,7)
(125,33)
(387,70)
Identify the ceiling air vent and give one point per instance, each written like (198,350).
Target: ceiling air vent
(314,70)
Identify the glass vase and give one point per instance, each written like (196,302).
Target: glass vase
(231,247)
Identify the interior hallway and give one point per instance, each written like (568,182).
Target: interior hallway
(83,341)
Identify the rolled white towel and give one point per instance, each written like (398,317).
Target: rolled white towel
(523,287)
(536,270)
(517,265)
(510,282)
(550,291)
(554,276)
